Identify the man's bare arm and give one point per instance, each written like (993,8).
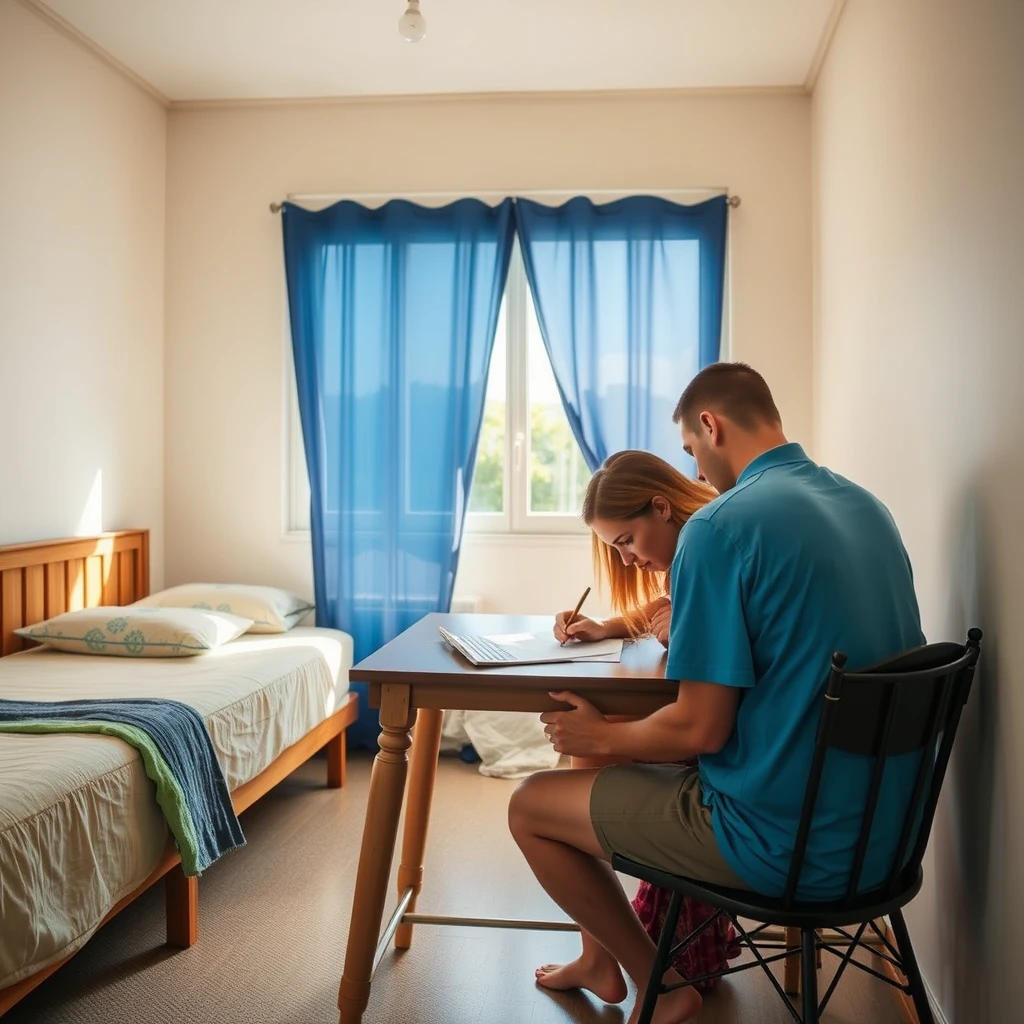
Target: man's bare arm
(699,721)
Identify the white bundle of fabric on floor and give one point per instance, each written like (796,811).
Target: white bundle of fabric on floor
(510,744)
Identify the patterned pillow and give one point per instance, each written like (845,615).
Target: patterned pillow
(272,610)
(135,632)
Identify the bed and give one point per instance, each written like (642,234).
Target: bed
(80,833)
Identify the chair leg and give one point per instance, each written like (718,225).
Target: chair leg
(809,979)
(791,965)
(910,968)
(661,959)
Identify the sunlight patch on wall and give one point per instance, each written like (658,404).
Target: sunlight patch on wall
(91,519)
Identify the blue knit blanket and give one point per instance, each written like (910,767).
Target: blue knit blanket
(178,756)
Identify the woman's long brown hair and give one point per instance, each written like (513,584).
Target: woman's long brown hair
(622,490)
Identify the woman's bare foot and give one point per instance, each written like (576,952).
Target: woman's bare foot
(673,1007)
(600,975)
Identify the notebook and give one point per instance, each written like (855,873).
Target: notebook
(527,649)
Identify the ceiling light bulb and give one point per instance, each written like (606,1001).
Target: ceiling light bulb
(412,25)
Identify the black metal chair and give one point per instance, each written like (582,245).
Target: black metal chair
(909,703)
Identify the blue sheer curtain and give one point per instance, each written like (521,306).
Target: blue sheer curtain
(393,314)
(629,302)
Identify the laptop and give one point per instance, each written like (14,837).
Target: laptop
(526,649)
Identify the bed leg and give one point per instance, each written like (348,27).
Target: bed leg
(336,761)
(182,895)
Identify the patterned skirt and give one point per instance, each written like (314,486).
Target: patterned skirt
(710,951)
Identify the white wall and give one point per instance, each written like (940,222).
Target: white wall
(918,152)
(225,294)
(82,163)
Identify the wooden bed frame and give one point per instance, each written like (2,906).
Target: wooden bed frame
(42,579)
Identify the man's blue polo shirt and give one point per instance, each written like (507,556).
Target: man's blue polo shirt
(768,580)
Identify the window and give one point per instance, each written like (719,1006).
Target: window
(530,475)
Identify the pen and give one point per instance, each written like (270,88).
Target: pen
(572,618)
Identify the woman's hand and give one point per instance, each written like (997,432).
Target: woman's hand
(660,613)
(581,628)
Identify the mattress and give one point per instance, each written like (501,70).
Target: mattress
(79,826)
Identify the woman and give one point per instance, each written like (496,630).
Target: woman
(636,505)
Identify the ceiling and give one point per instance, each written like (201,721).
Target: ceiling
(276,49)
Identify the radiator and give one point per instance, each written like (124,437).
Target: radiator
(467,603)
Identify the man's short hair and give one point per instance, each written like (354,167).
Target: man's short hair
(734,390)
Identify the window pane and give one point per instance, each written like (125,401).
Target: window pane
(488,491)
(558,474)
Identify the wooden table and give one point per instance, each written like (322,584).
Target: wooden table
(413,679)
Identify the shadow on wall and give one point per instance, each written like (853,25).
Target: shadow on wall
(966,836)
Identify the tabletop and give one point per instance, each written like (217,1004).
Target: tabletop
(439,677)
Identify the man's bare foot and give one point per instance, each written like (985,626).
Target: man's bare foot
(673,1007)
(598,975)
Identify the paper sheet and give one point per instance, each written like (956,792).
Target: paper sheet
(548,649)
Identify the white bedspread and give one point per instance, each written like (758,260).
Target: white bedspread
(79,828)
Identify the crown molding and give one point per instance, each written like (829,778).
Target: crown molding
(827,35)
(724,92)
(68,30)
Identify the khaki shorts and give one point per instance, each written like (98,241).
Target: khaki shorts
(654,814)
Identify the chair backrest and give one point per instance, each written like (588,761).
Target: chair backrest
(909,703)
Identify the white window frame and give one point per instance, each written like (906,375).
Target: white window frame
(516,517)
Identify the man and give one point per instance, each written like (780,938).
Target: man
(790,563)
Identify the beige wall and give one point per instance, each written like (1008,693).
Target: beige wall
(918,153)
(82,159)
(225,294)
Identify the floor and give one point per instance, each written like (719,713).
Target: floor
(274,915)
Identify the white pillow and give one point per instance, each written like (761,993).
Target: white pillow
(138,632)
(272,610)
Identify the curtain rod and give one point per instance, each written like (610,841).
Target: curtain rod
(558,193)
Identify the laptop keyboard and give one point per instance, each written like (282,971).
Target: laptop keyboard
(486,650)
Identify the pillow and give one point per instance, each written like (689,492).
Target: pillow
(271,610)
(137,632)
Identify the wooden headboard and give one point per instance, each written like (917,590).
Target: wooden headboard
(47,577)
